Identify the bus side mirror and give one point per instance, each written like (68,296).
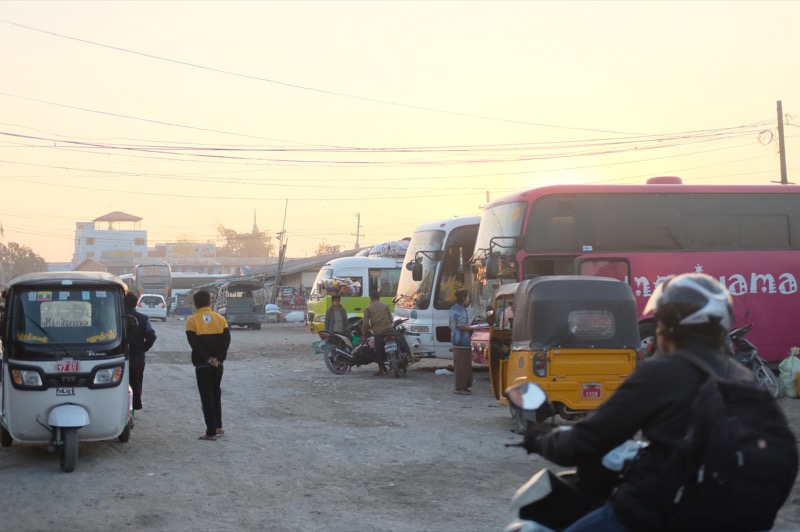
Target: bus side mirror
(492,266)
(416,271)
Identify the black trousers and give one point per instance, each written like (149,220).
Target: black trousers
(136,370)
(380,350)
(208,384)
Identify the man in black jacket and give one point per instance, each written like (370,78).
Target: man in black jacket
(139,342)
(693,313)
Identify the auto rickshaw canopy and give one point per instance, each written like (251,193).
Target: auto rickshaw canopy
(571,311)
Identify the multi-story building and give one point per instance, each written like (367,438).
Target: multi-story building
(119,245)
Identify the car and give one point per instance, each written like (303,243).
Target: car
(153,306)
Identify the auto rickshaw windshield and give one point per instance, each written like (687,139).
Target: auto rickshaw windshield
(67,316)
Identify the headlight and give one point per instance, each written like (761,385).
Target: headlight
(27,378)
(419,328)
(320,319)
(108,376)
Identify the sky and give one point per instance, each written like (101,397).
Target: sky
(332,119)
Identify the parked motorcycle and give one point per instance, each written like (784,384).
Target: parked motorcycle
(743,350)
(342,351)
(747,354)
(549,501)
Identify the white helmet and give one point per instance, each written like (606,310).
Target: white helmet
(691,299)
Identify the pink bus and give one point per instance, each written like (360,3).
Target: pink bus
(747,236)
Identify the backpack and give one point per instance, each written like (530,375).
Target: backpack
(737,462)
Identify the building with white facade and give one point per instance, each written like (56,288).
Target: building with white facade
(114,238)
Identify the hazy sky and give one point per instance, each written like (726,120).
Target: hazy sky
(196,114)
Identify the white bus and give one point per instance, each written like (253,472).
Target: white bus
(440,252)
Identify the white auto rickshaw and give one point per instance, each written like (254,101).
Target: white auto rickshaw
(64,364)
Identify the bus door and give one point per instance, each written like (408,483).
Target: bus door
(616,268)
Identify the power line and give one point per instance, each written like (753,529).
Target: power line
(300,87)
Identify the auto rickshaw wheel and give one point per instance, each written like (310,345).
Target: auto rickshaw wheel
(125,435)
(69,450)
(5,437)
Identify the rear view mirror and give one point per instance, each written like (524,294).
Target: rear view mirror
(526,396)
(416,271)
(492,266)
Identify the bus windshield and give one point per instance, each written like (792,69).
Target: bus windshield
(323,275)
(417,294)
(504,220)
(67,316)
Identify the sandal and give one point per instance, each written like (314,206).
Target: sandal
(206,437)
(463,392)
(220,431)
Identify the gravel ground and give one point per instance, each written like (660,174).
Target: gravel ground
(304,449)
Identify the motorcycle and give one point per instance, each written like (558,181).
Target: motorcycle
(747,354)
(342,351)
(742,350)
(549,501)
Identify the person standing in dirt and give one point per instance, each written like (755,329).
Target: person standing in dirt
(336,316)
(462,347)
(209,337)
(377,318)
(139,342)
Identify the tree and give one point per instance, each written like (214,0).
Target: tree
(233,244)
(16,259)
(326,249)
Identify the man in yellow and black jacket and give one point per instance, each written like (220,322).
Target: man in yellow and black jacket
(209,337)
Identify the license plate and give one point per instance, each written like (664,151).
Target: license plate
(67,366)
(390,348)
(592,391)
(65,391)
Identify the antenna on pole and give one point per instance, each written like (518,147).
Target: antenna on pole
(357,234)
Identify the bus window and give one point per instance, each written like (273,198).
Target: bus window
(384,280)
(616,269)
(541,266)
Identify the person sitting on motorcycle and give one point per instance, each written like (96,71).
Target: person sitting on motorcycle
(693,313)
(377,318)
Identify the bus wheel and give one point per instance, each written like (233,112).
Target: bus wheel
(69,450)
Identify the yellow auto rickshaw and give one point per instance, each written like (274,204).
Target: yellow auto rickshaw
(574,336)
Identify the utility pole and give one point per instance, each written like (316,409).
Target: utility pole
(357,234)
(781,146)
(281,255)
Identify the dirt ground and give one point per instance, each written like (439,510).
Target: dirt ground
(304,449)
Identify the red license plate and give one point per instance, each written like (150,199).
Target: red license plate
(67,366)
(592,391)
